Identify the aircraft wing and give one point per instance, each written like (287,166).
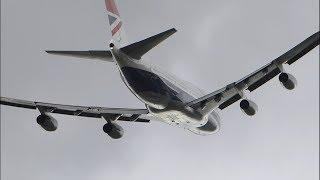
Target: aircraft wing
(91,54)
(84,111)
(233,92)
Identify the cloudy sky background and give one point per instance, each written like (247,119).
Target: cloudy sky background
(218,42)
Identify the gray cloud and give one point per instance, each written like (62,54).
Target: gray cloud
(217,42)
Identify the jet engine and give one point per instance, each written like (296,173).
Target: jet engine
(47,122)
(113,130)
(248,107)
(288,81)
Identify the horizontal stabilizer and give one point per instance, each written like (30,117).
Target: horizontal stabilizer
(138,49)
(94,54)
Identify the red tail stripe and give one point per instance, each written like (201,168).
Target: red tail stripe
(116,29)
(111,7)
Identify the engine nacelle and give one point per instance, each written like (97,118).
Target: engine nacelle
(113,130)
(47,122)
(288,81)
(248,107)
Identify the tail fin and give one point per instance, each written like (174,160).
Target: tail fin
(116,26)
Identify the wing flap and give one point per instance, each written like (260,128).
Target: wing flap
(265,78)
(230,101)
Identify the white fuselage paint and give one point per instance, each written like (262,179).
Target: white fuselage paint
(166,107)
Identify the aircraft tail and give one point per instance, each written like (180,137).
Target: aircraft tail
(135,50)
(116,25)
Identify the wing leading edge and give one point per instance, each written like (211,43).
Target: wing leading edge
(233,92)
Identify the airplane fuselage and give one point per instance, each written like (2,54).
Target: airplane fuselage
(162,97)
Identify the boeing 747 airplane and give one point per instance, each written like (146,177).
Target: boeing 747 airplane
(166,98)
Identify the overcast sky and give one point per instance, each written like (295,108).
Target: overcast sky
(218,42)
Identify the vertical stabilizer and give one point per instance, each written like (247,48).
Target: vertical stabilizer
(116,24)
